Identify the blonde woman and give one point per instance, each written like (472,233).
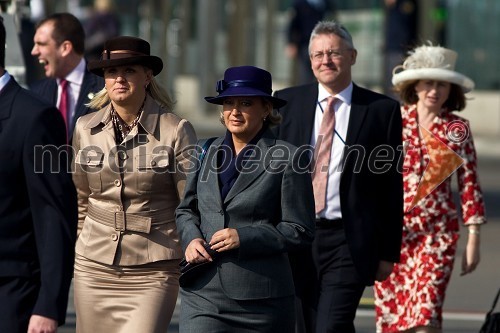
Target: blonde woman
(129,175)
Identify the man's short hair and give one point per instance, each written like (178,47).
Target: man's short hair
(66,27)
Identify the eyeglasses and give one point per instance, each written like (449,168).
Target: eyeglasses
(331,54)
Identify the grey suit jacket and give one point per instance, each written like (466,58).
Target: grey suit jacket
(271,205)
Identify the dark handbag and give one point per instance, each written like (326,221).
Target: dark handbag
(190,271)
(492,320)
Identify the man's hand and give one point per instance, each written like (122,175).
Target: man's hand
(39,324)
(384,270)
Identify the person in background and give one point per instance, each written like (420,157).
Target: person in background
(400,35)
(131,157)
(305,15)
(59,47)
(38,213)
(359,199)
(102,24)
(411,299)
(252,203)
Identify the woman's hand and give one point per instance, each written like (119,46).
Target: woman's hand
(225,239)
(470,257)
(196,253)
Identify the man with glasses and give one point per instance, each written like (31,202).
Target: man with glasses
(356,135)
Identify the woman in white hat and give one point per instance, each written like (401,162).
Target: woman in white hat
(437,145)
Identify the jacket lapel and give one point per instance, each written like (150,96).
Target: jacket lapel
(208,172)
(246,178)
(357,117)
(7,98)
(87,91)
(103,118)
(306,113)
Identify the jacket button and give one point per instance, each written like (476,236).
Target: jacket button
(114,237)
(122,155)
(117,182)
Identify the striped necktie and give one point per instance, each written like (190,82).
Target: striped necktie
(322,153)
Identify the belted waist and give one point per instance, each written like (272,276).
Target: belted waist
(327,223)
(122,221)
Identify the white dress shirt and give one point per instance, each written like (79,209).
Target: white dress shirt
(342,112)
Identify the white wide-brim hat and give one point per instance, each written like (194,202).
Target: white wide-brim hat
(431,63)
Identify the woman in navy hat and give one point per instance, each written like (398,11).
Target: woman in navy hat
(248,205)
(129,173)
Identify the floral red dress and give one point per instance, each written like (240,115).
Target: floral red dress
(414,293)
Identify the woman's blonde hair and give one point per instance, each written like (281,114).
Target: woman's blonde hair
(154,89)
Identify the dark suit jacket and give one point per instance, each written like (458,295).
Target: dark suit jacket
(38,214)
(271,205)
(91,84)
(371,196)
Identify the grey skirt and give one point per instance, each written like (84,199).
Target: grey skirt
(206,308)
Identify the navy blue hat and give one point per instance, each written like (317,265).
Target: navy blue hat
(245,81)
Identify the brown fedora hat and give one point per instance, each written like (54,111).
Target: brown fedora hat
(125,50)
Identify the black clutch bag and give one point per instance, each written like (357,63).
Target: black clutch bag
(492,321)
(191,271)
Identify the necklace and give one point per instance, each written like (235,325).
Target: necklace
(122,129)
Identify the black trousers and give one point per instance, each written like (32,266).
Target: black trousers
(18,296)
(306,290)
(340,287)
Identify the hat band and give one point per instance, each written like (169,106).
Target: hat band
(120,54)
(223,85)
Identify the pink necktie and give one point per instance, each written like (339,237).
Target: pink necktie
(322,154)
(64,101)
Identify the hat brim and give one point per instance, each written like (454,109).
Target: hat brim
(153,62)
(245,92)
(439,74)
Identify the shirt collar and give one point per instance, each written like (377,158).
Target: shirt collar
(76,75)
(4,79)
(345,95)
(147,120)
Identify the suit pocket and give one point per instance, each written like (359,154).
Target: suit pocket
(152,172)
(91,163)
